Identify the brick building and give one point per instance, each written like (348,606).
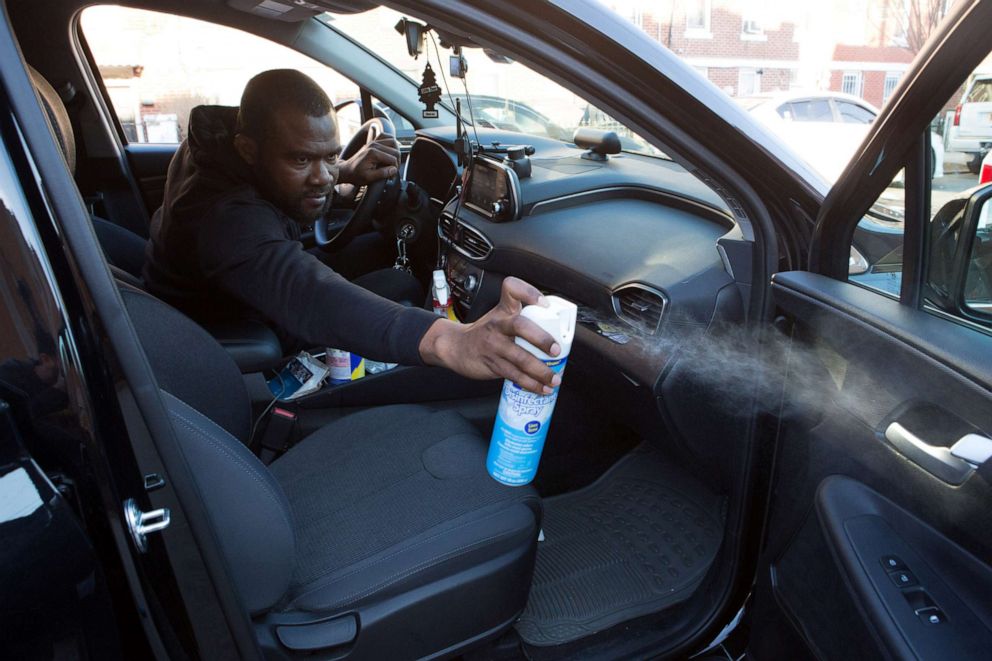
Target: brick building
(870,72)
(748,46)
(742,54)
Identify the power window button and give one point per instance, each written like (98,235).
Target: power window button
(931,616)
(892,563)
(903,578)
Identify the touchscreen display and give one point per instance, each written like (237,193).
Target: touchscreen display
(487,185)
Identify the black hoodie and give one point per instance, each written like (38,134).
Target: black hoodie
(220,251)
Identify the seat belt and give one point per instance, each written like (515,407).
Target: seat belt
(277,437)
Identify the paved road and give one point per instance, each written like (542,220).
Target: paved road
(955,180)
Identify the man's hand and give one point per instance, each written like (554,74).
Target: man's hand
(485,349)
(376,160)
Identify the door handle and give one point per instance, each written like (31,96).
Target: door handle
(973,448)
(951,464)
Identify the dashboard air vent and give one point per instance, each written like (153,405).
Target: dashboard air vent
(474,243)
(447,226)
(466,240)
(640,306)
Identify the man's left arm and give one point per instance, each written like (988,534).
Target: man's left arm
(376,160)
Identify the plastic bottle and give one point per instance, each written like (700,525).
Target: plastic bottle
(442,296)
(523,417)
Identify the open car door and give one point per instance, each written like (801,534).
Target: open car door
(879,531)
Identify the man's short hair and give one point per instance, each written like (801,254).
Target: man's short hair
(276,90)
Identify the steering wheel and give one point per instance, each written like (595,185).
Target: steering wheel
(340,225)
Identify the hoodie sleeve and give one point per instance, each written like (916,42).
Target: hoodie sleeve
(244,251)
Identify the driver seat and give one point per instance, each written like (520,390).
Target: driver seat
(379,536)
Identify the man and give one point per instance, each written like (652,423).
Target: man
(225,243)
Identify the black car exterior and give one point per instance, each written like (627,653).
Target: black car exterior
(73,580)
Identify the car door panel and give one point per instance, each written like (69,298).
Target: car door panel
(870,536)
(859,363)
(150,165)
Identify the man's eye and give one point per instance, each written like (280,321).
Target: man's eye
(302,160)
(332,159)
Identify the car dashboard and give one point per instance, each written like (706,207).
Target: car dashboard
(632,239)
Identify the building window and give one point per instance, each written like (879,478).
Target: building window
(851,83)
(891,80)
(752,26)
(697,16)
(748,82)
(631,10)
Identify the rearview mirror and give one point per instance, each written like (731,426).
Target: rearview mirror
(959,272)
(415,36)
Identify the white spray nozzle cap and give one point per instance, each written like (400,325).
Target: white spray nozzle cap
(557,319)
(440,287)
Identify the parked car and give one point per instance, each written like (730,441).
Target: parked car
(971,123)
(825,127)
(751,457)
(501,113)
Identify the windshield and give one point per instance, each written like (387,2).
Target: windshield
(503,94)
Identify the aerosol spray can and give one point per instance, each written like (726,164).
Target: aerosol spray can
(442,296)
(523,417)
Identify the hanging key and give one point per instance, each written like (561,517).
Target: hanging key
(402,261)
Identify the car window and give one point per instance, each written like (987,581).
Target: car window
(812,110)
(852,113)
(958,276)
(156,67)
(980,92)
(504,93)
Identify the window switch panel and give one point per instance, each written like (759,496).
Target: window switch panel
(903,578)
(918,599)
(931,616)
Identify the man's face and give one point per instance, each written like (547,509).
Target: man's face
(296,165)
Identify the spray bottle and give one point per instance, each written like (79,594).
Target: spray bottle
(523,417)
(442,296)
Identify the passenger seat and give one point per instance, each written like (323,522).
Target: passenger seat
(380,536)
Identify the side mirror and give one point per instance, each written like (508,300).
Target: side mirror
(959,272)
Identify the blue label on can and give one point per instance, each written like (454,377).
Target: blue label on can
(521,427)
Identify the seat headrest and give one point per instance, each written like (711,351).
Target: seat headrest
(58,116)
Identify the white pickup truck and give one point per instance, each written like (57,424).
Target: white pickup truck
(970,130)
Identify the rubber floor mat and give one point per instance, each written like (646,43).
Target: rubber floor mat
(636,541)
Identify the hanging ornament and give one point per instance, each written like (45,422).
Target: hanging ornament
(430,93)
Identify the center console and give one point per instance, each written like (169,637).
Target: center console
(491,194)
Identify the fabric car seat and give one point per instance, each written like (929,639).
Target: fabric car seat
(378,536)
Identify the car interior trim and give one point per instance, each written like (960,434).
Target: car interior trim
(607,192)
